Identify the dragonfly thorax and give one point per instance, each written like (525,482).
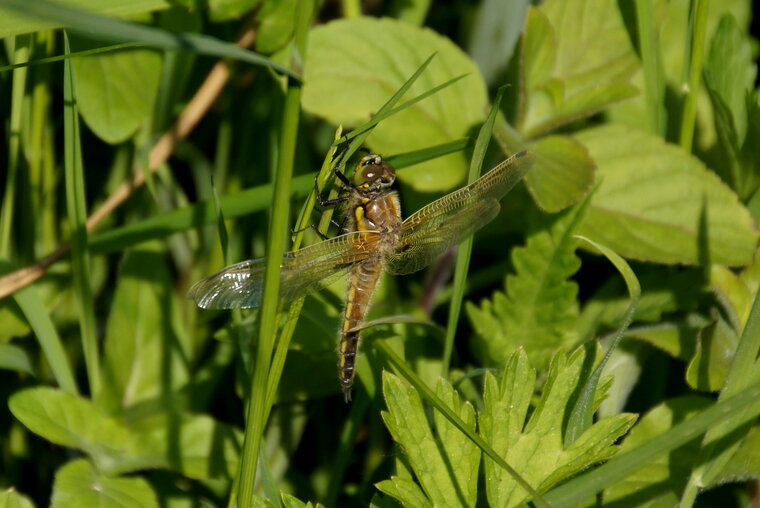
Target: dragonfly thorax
(373,174)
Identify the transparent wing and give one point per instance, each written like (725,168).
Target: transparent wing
(446,222)
(303,271)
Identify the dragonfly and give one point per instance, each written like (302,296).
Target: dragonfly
(375,240)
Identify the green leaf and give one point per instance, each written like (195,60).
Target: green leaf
(663,291)
(661,482)
(72,421)
(349,75)
(15,358)
(671,22)
(657,203)
(277,25)
(535,448)
(573,69)
(405,491)
(729,77)
(261,502)
(14,23)
(11,498)
(582,413)
(678,339)
(499,26)
(739,407)
(624,368)
(225,10)
(715,351)
(13,321)
(293,502)
(77,483)
(116,91)
(196,446)
(540,309)
(146,349)
(563,173)
(734,293)
(445,463)
(745,463)
(730,73)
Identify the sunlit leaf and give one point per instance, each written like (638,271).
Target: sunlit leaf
(563,172)
(72,421)
(535,448)
(223,10)
(349,75)
(577,60)
(12,498)
(539,309)
(116,91)
(715,351)
(77,483)
(145,347)
(657,203)
(445,462)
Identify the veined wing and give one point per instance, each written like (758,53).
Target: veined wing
(303,271)
(446,222)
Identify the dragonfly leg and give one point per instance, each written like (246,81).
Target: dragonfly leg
(311,226)
(326,202)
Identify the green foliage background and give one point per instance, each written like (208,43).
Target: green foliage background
(607,349)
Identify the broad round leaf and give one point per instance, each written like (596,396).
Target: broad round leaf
(116,91)
(79,484)
(563,173)
(354,66)
(658,203)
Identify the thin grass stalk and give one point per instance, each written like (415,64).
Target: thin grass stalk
(464,251)
(75,54)
(695,58)
(255,421)
(30,302)
(654,84)
(281,352)
(582,414)
(351,8)
(77,215)
(41,173)
(20,54)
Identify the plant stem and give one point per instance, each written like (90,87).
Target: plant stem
(695,57)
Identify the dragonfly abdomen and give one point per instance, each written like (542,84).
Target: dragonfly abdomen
(361,285)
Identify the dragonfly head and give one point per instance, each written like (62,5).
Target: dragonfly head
(372,173)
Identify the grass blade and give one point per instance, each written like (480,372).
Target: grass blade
(58,58)
(363,131)
(745,404)
(651,60)
(28,299)
(21,54)
(716,452)
(581,417)
(107,29)
(694,58)
(465,248)
(77,215)
(257,404)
